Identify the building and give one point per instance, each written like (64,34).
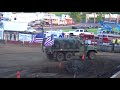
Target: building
(108,17)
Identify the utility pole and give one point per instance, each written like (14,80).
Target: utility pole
(118,18)
(86,18)
(109,16)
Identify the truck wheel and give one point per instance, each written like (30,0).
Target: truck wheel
(60,56)
(91,55)
(54,56)
(74,66)
(68,56)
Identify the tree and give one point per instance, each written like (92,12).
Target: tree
(83,16)
(76,16)
(99,17)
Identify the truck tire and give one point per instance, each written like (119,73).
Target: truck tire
(60,56)
(54,56)
(68,56)
(74,66)
(91,55)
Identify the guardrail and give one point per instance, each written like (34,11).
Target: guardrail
(34,44)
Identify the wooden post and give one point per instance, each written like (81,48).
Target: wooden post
(23,41)
(86,18)
(94,18)
(109,17)
(6,37)
(117,18)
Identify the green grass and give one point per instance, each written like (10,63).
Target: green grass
(67,30)
(89,30)
(92,30)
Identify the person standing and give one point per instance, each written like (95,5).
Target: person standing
(6,36)
(116,41)
(113,44)
(42,27)
(15,36)
(63,34)
(10,35)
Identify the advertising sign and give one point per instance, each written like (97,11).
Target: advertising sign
(25,37)
(1,34)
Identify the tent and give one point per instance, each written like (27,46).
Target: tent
(14,26)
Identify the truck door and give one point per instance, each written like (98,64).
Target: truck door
(82,48)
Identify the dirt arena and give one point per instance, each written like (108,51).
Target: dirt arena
(32,63)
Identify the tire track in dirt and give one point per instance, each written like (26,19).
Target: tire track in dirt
(32,63)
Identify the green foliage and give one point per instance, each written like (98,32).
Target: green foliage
(60,13)
(94,30)
(91,18)
(76,16)
(83,16)
(99,17)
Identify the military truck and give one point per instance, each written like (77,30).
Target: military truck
(66,48)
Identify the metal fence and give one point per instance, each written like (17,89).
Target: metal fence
(109,48)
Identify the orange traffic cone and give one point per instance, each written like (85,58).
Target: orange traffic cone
(61,65)
(18,74)
(83,57)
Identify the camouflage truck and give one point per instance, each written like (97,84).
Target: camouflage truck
(66,48)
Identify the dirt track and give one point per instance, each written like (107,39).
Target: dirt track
(32,63)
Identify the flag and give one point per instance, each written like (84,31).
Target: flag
(49,41)
(37,38)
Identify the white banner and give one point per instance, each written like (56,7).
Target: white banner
(1,34)
(25,37)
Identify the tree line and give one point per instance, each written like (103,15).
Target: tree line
(78,16)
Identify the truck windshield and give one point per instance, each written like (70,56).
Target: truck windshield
(76,30)
(81,30)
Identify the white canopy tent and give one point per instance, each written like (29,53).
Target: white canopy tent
(14,26)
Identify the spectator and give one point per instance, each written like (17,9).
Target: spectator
(10,35)
(118,33)
(42,27)
(116,41)
(113,44)
(6,36)
(103,31)
(86,41)
(63,34)
(107,32)
(113,32)
(15,36)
